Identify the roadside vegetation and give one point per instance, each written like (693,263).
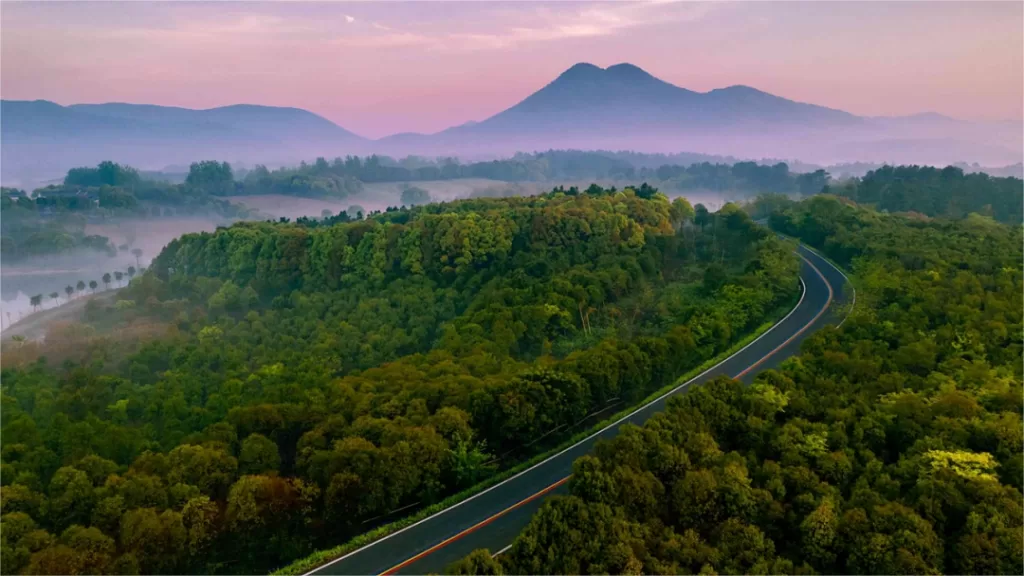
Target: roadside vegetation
(892,445)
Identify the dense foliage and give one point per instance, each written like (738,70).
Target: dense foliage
(890,446)
(323,376)
(947,192)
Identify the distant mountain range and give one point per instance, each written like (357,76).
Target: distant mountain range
(40,138)
(586,107)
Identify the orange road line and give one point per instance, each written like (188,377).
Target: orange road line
(482,523)
(474,527)
(799,332)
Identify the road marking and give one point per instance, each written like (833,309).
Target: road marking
(803,294)
(474,527)
(502,551)
(845,277)
(800,331)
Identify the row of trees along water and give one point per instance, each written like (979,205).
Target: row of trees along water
(70,291)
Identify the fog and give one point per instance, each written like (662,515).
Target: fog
(22,279)
(380,196)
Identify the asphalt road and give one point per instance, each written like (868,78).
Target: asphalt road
(493,518)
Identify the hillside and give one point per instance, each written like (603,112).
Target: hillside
(319,376)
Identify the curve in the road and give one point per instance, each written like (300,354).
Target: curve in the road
(492,518)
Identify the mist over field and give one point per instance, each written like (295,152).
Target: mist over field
(21,279)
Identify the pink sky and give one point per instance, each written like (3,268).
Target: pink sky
(386,67)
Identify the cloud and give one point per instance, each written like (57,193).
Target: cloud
(393,39)
(580,21)
(349,19)
(504,26)
(245,26)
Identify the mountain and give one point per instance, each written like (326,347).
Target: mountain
(624,107)
(624,93)
(42,139)
(586,107)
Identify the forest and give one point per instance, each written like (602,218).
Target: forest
(891,445)
(311,379)
(947,192)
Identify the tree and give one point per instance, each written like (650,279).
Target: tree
(54,295)
(478,562)
(80,286)
(106,280)
(812,182)
(259,455)
(414,196)
(137,252)
(157,539)
(71,497)
(36,301)
(211,176)
(118,275)
(682,212)
(92,285)
(701,216)
(356,211)
(69,290)
(131,272)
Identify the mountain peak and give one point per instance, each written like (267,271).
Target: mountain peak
(580,69)
(626,69)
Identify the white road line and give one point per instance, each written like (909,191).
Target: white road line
(502,551)
(853,304)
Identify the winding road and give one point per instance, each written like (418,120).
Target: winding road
(493,518)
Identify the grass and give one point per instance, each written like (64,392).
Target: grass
(310,562)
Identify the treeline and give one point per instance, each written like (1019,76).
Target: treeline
(79,287)
(24,235)
(52,220)
(747,177)
(345,173)
(947,192)
(890,446)
(321,377)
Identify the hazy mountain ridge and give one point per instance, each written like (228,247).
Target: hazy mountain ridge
(586,107)
(623,106)
(41,138)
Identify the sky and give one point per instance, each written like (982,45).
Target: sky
(379,68)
